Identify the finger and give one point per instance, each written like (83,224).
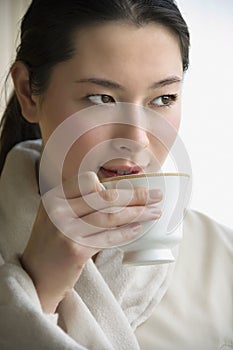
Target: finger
(98,201)
(79,185)
(99,221)
(114,237)
(109,237)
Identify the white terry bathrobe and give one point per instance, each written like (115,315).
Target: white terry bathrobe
(186,305)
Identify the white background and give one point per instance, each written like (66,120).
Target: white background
(207,126)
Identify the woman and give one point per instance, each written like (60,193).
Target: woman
(57,294)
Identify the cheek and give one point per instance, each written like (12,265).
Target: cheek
(55,110)
(79,150)
(175,122)
(174,118)
(161,143)
(75,156)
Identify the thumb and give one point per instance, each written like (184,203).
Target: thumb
(88,182)
(77,186)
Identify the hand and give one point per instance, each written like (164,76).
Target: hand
(54,261)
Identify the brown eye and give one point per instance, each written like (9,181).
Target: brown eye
(106,99)
(165,100)
(101,99)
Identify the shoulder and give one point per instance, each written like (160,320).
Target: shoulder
(196,217)
(20,161)
(205,264)
(207,251)
(26,148)
(206,228)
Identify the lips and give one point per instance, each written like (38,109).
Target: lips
(115,171)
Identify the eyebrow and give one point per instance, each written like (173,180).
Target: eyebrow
(167,81)
(102,82)
(114,85)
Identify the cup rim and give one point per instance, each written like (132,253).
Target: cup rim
(137,176)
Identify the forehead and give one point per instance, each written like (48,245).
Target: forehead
(120,45)
(134,57)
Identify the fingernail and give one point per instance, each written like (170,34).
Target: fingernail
(155,194)
(134,228)
(154,210)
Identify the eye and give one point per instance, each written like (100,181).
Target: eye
(101,99)
(165,100)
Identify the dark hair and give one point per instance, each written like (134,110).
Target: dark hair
(46,39)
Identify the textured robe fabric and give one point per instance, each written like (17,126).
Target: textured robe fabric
(187,305)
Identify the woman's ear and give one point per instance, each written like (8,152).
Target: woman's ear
(29,104)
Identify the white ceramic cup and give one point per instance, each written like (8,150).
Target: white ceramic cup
(160,236)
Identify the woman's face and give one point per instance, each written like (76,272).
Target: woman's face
(116,62)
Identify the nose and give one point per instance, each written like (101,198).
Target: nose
(130,139)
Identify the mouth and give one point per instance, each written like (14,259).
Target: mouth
(105,172)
